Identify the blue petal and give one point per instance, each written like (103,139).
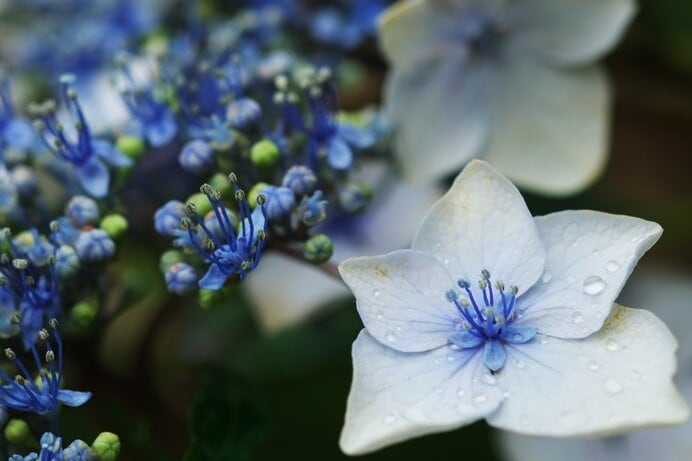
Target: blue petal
(466,340)
(494,354)
(213,279)
(357,137)
(94,177)
(73,398)
(339,155)
(109,153)
(162,132)
(18,134)
(519,334)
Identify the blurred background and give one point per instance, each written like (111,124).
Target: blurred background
(175,380)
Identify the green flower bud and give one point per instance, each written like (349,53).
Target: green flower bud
(318,249)
(254,192)
(84,313)
(17,432)
(220,182)
(355,196)
(132,146)
(168,258)
(115,225)
(106,447)
(264,153)
(201,202)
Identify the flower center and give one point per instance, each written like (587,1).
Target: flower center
(481,32)
(487,320)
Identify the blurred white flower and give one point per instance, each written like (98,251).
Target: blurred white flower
(535,347)
(511,81)
(669,295)
(284,291)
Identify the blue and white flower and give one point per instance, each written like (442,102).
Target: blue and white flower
(514,82)
(494,314)
(668,293)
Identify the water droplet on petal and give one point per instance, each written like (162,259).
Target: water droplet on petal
(593,366)
(390,336)
(612,345)
(479,398)
(612,266)
(376,293)
(488,379)
(379,315)
(389,419)
(520,364)
(577,317)
(460,393)
(594,285)
(547,277)
(612,386)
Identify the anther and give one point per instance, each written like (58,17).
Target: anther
(239,194)
(53,323)
(43,334)
(50,356)
(485,274)
(232,178)
(514,290)
(19,380)
(54,226)
(191,208)
(451,296)
(261,199)
(9,353)
(206,189)
(20,264)
(463,283)
(16,319)
(186,223)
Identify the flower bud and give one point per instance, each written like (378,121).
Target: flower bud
(106,447)
(114,224)
(264,154)
(130,145)
(318,249)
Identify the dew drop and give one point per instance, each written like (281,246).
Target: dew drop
(450,358)
(594,285)
(612,386)
(460,393)
(399,328)
(458,324)
(446,262)
(438,390)
(389,419)
(488,379)
(593,366)
(479,398)
(547,277)
(390,336)
(612,266)
(520,364)
(612,345)
(577,317)
(379,315)
(376,293)
(543,340)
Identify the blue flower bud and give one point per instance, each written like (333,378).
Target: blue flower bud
(94,246)
(78,451)
(243,112)
(196,157)
(300,179)
(82,210)
(280,201)
(66,261)
(167,218)
(181,278)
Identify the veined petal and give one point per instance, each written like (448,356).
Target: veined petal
(567,32)
(73,398)
(94,177)
(549,126)
(396,396)
(440,112)
(483,223)
(401,299)
(590,255)
(617,379)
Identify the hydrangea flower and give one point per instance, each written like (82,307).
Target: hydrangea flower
(89,156)
(494,314)
(513,81)
(41,394)
(230,252)
(667,292)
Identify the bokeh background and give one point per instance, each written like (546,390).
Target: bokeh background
(175,380)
